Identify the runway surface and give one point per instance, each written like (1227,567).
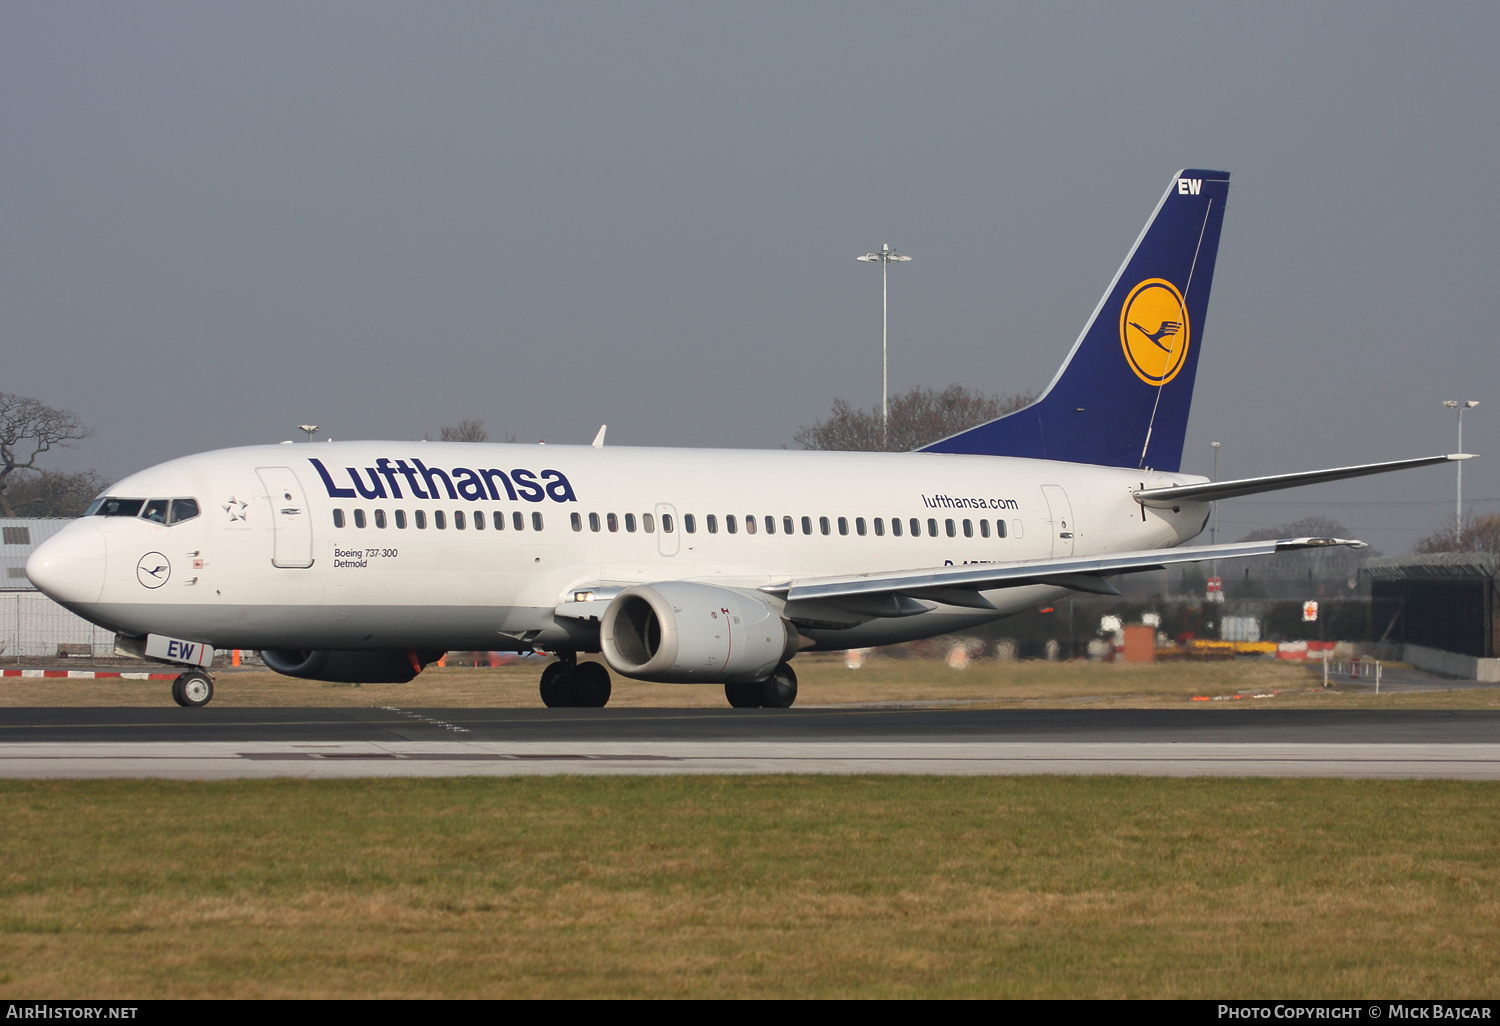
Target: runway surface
(235,743)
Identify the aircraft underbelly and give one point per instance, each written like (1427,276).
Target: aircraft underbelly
(363,627)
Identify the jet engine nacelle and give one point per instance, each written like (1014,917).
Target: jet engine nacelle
(685,633)
(353,666)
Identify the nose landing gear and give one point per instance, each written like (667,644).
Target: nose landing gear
(193,689)
(569,684)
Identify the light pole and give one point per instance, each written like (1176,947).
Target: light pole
(1458,506)
(1216,505)
(1213,566)
(886,256)
(311,429)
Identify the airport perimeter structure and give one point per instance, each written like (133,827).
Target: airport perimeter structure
(1445,608)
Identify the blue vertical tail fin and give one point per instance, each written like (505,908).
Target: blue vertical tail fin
(1122,396)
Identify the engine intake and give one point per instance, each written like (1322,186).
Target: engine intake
(353,666)
(685,633)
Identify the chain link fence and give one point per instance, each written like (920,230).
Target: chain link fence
(32,626)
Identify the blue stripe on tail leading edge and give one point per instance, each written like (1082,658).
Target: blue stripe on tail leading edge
(1122,396)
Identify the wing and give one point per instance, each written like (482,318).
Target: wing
(900,593)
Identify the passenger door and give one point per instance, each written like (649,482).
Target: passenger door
(291,521)
(1062,519)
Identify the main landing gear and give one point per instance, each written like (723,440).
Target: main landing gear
(569,684)
(193,689)
(777,691)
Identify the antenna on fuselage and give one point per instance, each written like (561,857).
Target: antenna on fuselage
(599,438)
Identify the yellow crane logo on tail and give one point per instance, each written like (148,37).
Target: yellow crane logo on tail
(1154,331)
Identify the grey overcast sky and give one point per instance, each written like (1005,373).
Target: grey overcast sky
(223,220)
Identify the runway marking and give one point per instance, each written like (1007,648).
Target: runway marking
(88,674)
(488,757)
(229,760)
(351,717)
(423,719)
(437,756)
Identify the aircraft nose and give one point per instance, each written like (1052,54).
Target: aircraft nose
(69,566)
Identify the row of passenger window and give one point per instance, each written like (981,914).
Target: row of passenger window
(825,526)
(731,523)
(711,522)
(440,519)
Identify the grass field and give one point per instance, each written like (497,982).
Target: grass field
(756,886)
(822,680)
(762,886)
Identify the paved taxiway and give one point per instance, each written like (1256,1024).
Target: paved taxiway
(235,743)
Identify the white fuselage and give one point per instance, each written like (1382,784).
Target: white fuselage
(266,565)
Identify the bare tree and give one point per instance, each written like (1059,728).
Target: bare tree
(1481,534)
(1337,563)
(29,428)
(465,431)
(919,417)
(1307,527)
(50,494)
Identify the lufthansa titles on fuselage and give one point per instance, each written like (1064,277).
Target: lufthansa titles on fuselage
(940,501)
(384,480)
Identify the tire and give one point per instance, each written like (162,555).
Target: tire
(590,686)
(779,690)
(743,696)
(193,689)
(556,686)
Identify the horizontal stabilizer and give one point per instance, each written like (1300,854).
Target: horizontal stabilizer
(1077,573)
(1209,491)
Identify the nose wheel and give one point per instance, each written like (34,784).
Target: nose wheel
(193,689)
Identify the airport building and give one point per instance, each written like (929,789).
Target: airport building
(19,537)
(31,624)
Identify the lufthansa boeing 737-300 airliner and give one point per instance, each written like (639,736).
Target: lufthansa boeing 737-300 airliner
(365,561)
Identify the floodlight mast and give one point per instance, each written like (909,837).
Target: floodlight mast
(1214,564)
(1458,506)
(311,430)
(886,256)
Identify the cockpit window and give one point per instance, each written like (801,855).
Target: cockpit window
(183,509)
(112,507)
(158,511)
